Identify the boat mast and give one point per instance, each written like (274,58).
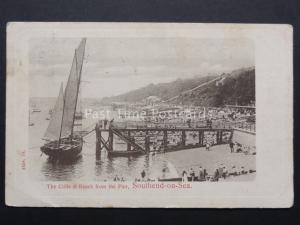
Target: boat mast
(78,84)
(62,117)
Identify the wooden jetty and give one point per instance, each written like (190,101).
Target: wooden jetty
(144,140)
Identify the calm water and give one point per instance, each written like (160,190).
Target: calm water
(88,167)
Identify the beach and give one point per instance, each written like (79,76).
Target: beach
(210,160)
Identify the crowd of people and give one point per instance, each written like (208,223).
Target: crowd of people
(220,172)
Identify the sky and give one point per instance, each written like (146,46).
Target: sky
(114,66)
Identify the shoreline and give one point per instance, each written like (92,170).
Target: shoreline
(210,160)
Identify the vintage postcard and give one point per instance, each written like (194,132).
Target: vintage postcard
(149,115)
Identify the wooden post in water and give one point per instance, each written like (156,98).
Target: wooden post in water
(218,137)
(97,138)
(200,137)
(165,139)
(98,141)
(231,135)
(111,139)
(147,142)
(183,138)
(128,144)
(221,137)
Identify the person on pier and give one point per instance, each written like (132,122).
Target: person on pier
(111,123)
(189,122)
(105,123)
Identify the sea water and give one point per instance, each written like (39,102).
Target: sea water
(88,167)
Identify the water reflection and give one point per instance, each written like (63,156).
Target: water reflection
(62,170)
(100,167)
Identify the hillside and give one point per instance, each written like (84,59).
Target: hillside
(161,90)
(237,87)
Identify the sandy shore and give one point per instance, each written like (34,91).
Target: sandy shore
(219,154)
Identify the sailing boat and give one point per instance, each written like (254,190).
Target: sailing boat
(62,142)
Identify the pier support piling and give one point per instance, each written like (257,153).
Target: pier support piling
(111,139)
(183,138)
(165,140)
(147,142)
(128,144)
(200,137)
(97,139)
(133,135)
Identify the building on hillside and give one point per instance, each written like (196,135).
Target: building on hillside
(152,100)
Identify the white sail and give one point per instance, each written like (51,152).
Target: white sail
(53,130)
(71,91)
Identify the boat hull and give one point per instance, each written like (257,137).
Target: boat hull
(67,150)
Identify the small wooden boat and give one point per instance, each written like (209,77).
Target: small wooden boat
(62,142)
(124,153)
(36,110)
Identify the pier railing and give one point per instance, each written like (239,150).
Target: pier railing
(216,124)
(243,125)
(143,124)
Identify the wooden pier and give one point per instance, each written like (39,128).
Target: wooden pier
(139,141)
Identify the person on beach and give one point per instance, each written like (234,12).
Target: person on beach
(207,146)
(225,172)
(216,175)
(116,178)
(184,176)
(192,174)
(143,174)
(205,174)
(233,171)
(201,176)
(220,170)
(231,145)
(243,170)
(239,148)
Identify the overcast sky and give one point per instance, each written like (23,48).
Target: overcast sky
(116,65)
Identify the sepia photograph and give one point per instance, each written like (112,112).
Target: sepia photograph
(187,115)
(149,115)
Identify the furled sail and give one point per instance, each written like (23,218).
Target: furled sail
(53,130)
(71,91)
